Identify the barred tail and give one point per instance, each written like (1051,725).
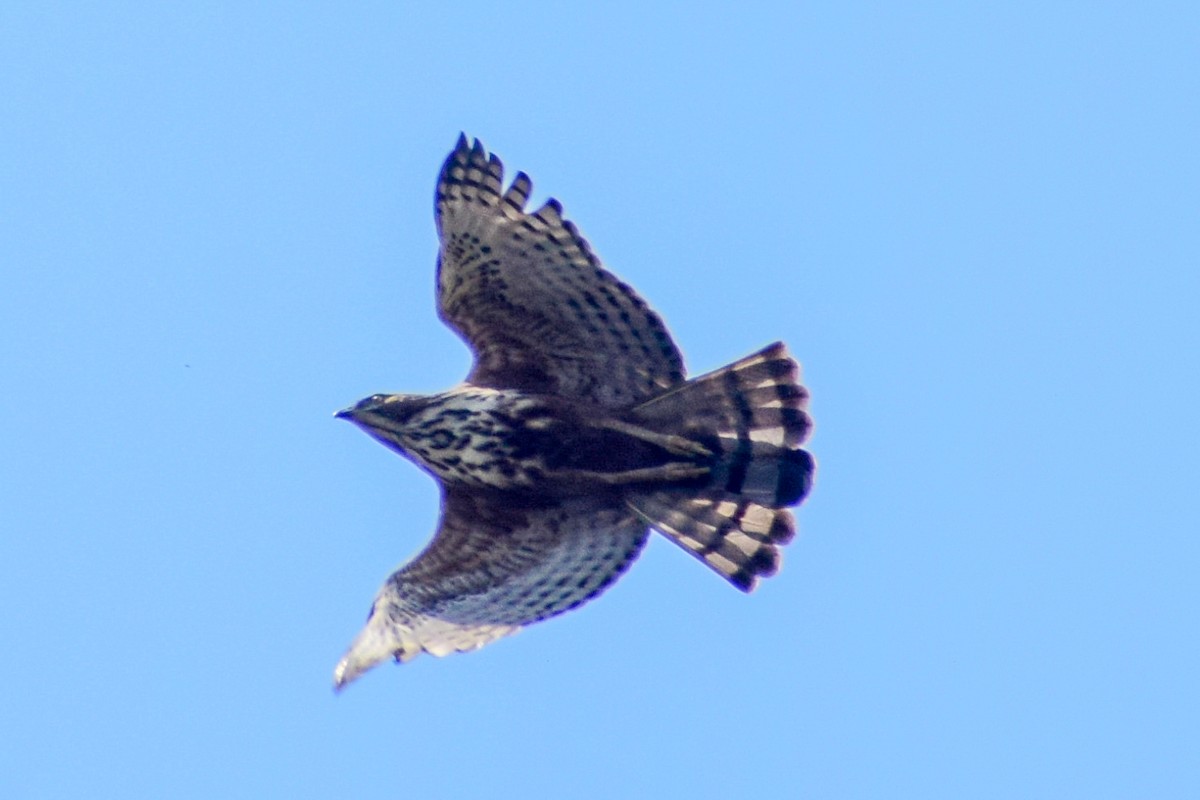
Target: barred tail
(752,416)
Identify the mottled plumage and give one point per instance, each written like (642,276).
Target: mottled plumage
(574,435)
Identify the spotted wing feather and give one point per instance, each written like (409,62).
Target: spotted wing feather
(492,568)
(524,289)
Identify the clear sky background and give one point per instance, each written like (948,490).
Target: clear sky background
(976,225)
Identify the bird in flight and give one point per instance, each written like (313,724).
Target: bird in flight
(575,434)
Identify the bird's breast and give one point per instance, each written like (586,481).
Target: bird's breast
(483,437)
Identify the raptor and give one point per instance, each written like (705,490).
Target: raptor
(575,434)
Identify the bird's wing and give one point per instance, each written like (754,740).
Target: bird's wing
(526,292)
(491,569)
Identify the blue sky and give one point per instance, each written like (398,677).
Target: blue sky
(975,224)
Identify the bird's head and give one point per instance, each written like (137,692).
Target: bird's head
(385,417)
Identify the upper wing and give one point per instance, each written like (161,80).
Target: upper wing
(528,295)
(491,569)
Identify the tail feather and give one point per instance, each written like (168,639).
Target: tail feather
(753,416)
(737,538)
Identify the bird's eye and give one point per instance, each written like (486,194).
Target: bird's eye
(370,402)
